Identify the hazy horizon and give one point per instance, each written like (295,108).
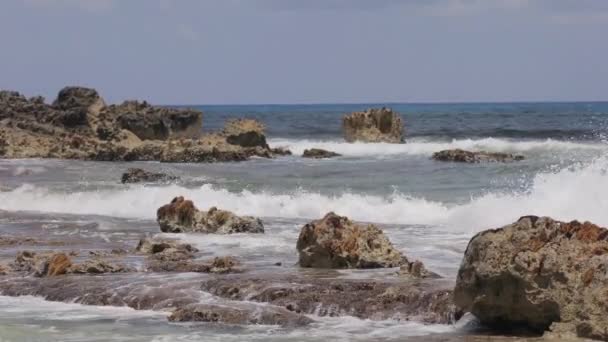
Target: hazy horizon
(237,52)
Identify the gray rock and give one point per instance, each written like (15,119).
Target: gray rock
(462,156)
(317,153)
(136,175)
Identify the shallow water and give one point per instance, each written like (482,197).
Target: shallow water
(428,209)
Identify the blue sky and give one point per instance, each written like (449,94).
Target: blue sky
(308,51)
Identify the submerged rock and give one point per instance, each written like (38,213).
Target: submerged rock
(373,125)
(336,242)
(538,273)
(182,216)
(318,153)
(135,175)
(239,313)
(462,156)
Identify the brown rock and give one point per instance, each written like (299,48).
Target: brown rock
(98,266)
(537,272)
(182,216)
(318,153)
(239,313)
(135,175)
(373,125)
(336,242)
(58,264)
(462,156)
(245,133)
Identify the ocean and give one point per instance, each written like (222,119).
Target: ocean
(428,209)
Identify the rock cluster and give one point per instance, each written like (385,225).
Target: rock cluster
(79,125)
(136,175)
(462,156)
(336,242)
(182,216)
(317,153)
(373,125)
(54,264)
(538,273)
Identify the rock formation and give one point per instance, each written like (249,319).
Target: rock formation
(373,125)
(79,125)
(462,156)
(538,273)
(182,216)
(336,242)
(239,313)
(135,175)
(317,153)
(55,264)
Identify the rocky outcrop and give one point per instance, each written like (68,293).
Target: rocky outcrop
(317,153)
(135,175)
(245,133)
(182,216)
(239,313)
(54,264)
(79,125)
(373,125)
(99,266)
(462,156)
(538,273)
(336,242)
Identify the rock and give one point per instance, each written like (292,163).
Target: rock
(280,151)
(416,269)
(537,272)
(156,245)
(157,123)
(31,263)
(58,264)
(239,313)
(99,266)
(462,156)
(336,242)
(172,261)
(135,175)
(182,216)
(365,299)
(245,133)
(318,153)
(373,125)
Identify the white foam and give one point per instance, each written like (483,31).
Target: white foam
(574,193)
(428,147)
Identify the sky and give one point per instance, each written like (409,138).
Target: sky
(308,51)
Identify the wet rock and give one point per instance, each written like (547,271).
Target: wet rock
(462,156)
(240,314)
(245,133)
(280,151)
(336,242)
(156,245)
(182,216)
(156,123)
(135,175)
(537,272)
(318,153)
(416,269)
(167,261)
(99,266)
(31,263)
(373,125)
(366,299)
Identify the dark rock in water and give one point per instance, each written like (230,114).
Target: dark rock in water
(336,242)
(373,125)
(245,133)
(156,123)
(171,261)
(318,153)
(135,175)
(182,216)
(462,156)
(538,273)
(416,269)
(239,313)
(156,245)
(49,264)
(280,151)
(369,299)
(99,266)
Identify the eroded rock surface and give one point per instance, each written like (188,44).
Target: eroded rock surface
(336,242)
(462,156)
(317,153)
(182,216)
(239,314)
(537,272)
(373,125)
(136,175)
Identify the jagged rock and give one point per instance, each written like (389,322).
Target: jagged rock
(373,125)
(239,313)
(245,133)
(182,216)
(99,266)
(537,272)
(336,242)
(156,123)
(58,264)
(175,261)
(156,245)
(135,175)
(31,263)
(462,156)
(416,269)
(318,153)
(366,299)
(280,151)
